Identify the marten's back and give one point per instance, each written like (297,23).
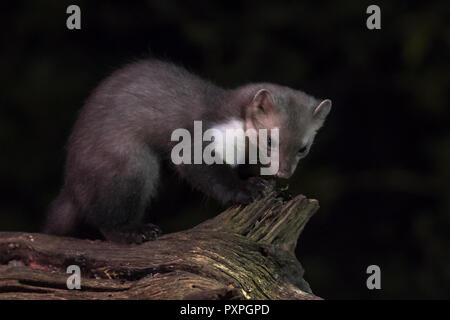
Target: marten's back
(145,100)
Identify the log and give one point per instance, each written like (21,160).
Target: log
(246,252)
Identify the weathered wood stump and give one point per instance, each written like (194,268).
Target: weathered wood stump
(243,253)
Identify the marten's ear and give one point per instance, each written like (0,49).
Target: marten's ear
(260,111)
(322,110)
(262,103)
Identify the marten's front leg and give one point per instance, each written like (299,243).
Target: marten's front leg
(222,182)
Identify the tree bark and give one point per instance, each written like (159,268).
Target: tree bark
(243,253)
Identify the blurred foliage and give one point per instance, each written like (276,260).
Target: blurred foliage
(380,166)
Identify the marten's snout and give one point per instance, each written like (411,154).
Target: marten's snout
(283,174)
(286,169)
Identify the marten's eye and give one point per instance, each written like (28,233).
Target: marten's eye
(303,150)
(269,142)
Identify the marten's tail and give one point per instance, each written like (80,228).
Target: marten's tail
(62,216)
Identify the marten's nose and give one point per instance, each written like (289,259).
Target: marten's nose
(282,174)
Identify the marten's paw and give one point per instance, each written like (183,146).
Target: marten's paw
(253,189)
(137,235)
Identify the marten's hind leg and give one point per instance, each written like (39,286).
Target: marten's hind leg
(122,195)
(132,234)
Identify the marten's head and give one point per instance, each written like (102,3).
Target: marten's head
(297,117)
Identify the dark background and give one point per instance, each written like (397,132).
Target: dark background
(379,167)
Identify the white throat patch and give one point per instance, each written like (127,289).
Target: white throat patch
(231,148)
